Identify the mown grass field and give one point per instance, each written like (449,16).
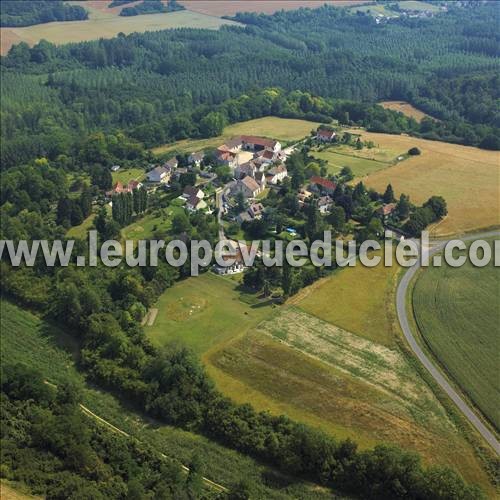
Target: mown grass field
(103,24)
(204,311)
(358,299)
(406,108)
(155,224)
(126,175)
(360,166)
(28,339)
(457,313)
(417,5)
(466,177)
(283,129)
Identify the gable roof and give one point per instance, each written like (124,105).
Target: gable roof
(172,163)
(268,155)
(250,183)
(159,171)
(191,191)
(324,132)
(259,141)
(278,169)
(321,181)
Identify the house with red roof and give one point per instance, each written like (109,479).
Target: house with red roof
(325,134)
(321,185)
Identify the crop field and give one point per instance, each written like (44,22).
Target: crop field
(465,176)
(406,108)
(456,310)
(283,129)
(28,339)
(226,8)
(204,311)
(316,373)
(106,25)
(366,309)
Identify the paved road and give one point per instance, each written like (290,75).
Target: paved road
(431,368)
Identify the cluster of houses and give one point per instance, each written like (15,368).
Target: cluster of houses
(255,162)
(119,188)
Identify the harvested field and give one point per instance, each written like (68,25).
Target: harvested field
(467,177)
(226,8)
(258,369)
(366,308)
(102,25)
(406,108)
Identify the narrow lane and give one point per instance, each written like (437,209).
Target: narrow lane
(419,353)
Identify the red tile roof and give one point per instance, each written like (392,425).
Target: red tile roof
(323,132)
(259,141)
(387,209)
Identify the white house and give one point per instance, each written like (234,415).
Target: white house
(195,203)
(248,186)
(159,174)
(324,204)
(276,174)
(233,258)
(190,191)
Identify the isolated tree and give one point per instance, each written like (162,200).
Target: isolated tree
(438,206)
(414,151)
(388,196)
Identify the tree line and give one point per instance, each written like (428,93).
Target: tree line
(17,13)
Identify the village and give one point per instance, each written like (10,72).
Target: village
(255,188)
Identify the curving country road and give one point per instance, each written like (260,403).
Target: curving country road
(419,353)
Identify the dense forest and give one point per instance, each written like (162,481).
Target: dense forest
(158,86)
(49,444)
(28,12)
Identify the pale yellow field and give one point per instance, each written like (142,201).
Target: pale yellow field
(103,24)
(468,178)
(406,108)
(231,7)
(283,129)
